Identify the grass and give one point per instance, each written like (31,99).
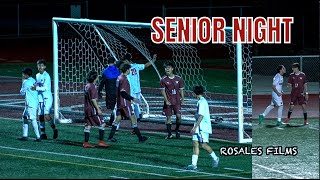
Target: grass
(64,157)
(304,165)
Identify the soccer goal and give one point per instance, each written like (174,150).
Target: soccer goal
(82,45)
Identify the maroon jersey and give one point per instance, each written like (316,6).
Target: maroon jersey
(172,88)
(122,84)
(90,92)
(297,82)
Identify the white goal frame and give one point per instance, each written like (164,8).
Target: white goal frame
(55,20)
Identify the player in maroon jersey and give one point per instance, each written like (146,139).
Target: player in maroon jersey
(172,91)
(297,82)
(124,108)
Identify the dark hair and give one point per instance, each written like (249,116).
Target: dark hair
(124,67)
(27,71)
(118,64)
(296,65)
(92,75)
(42,61)
(127,56)
(168,63)
(279,68)
(198,90)
(111,59)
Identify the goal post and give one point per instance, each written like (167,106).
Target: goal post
(80,45)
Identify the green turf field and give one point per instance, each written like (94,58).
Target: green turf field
(65,158)
(305,165)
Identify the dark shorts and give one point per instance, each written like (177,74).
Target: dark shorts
(111,101)
(297,99)
(125,112)
(167,110)
(95,120)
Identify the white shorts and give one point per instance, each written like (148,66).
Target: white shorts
(30,112)
(45,107)
(137,96)
(276,100)
(201,137)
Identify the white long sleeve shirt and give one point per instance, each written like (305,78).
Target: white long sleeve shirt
(31,97)
(43,86)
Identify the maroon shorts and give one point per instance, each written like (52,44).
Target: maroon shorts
(125,112)
(95,120)
(167,110)
(297,100)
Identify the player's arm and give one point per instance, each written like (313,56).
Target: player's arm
(23,88)
(152,61)
(96,106)
(306,91)
(163,92)
(182,95)
(126,96)
(46,84)
(276,90)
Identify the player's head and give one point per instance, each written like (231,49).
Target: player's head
(126,59)
(168,67)
(295,67)
(281,69)
(41,64)
(198,90)
(111,60)
(92,76)
(125,68)
(26,73)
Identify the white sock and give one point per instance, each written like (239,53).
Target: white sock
(267,110)
(25,129)
(213,155)
(35,128)
(194,159)
(118,126)
(280,109)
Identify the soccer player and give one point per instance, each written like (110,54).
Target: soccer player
(172,91)
(201,130)
(124,108)
(297,82)
(31,105)
(92,111)
(43,86)
(277,93)
(109,77)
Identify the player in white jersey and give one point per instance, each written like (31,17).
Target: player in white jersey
(201,130)
(276,95)
(43,86)
(31,105)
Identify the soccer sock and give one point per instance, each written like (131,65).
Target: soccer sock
(25,127)
(194,159)
(169,129)
(289,114)
(86,135)
(118,126)
(111,118)
(267,110)
(112,132)
(137,131)
(53,126)
(177,126)
(280,109)
(35,128)
(305,116)
(101,133)
(42,124)
(213,155)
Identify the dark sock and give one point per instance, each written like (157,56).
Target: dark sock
(111,118)
(289,114)
(53,126)
(177,127)
(169,129)
(86,136)
(305,116)
(112,132)
(137,131)
(42,129)
(101,134)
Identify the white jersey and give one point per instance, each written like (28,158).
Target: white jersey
(277,82)
(203,109)
(43,86)
(31,97)
(134,78)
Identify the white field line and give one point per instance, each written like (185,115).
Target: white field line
(277,171)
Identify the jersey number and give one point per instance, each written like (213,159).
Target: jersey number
(296,85)
(133,72)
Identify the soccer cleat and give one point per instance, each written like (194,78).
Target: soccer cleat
(260,118)
(191,167)
(215,163)
(23,138)
(279,123)
(43,136)
(305,122)
(87,145)
(177,134)
(37,140)
(143,139)
(112,140)
(133,132)
(102,144)
(286,121)
(169,136)
(55,133)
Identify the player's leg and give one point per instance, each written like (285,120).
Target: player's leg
(33,117)
(303,104)
(279,104)
(177,112)
(167,111)
(86,131)
(25,126)
(136,129)
(102,126)
(293,101)
(204,145)
(42,121)
(195,155)
(267,110)
(118,118)
(47,117)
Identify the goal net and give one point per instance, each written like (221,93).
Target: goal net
(82,45)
